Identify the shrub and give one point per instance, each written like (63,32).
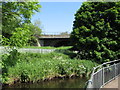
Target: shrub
(95,31)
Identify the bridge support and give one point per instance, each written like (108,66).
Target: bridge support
(41,42)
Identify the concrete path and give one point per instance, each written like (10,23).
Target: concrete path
(113,84)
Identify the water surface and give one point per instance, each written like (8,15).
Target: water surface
(57,83)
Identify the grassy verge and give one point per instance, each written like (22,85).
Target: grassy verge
(48,47)
(32,67)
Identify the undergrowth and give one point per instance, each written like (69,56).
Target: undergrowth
(31,67)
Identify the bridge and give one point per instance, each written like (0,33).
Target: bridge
(54,36)
(106,75)
(54,40)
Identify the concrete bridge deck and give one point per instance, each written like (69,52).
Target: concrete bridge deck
(115,83)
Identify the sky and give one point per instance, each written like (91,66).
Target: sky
(56,17)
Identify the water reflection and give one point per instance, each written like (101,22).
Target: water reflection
(57,83)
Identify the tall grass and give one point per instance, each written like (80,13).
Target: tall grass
(29,67)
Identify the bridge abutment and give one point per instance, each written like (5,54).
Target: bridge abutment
(41,42)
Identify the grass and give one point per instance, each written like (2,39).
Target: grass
(48,47)
(32,67)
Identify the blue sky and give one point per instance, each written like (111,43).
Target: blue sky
(56,17)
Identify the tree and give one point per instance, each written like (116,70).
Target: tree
(16,16)
(96,33)
(35,32)
(64,33)
(0,23)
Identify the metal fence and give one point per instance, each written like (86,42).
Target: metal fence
(103,74)
(4,50)
(36,50)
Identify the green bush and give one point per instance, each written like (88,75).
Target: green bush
(95,31)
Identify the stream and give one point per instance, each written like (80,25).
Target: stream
(56,83)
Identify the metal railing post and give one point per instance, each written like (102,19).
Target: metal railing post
(103,76)
(115,70)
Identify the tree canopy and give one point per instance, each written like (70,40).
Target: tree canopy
(16,21)
(96,33)
(35,33)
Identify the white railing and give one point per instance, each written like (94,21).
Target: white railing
(103,74)
(4,50)
(36,50)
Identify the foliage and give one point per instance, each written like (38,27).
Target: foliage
(15,21)
(8,61)
(64,33)
(35,32)
(20,37)
(96,31)
(31,67)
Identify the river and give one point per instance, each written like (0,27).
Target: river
(56,83)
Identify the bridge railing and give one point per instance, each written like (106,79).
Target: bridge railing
(103,74)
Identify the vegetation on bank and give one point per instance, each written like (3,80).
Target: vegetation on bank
(32,67)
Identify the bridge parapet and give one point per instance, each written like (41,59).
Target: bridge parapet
(55,36)
(56,33)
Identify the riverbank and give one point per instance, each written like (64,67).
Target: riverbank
(34,67)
